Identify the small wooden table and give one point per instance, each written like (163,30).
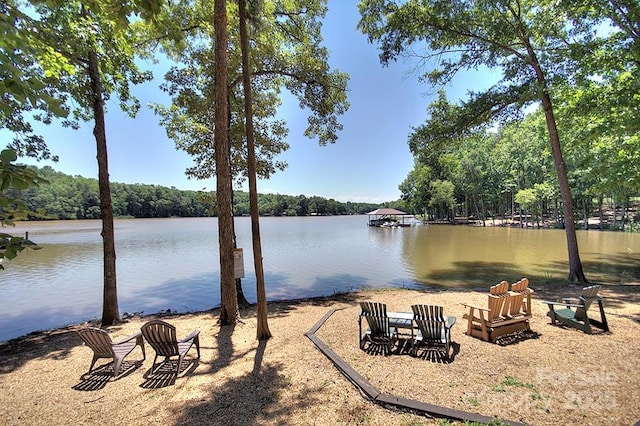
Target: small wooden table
(402,320)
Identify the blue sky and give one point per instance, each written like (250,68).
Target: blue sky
(367,163)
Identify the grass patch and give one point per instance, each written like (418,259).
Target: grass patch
(512,381)
(473,401)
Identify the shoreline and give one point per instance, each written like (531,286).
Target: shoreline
(552,289)
(285,380)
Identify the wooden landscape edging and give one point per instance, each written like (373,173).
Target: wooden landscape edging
(373,394)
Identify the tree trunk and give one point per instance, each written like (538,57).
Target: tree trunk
(110,312)
(541,215)
(575,265)
(262,331)
(600,212)
(229,313)
(242,300)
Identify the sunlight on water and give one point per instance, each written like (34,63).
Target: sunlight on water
(173,263)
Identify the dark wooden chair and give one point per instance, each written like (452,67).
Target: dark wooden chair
(379,332)
(434,329)
(162,337)
(575,311)
(103,347)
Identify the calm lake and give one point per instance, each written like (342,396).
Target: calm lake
(173,263)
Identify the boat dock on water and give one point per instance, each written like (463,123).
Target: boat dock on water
(388,218)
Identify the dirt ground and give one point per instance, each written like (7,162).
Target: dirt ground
(559,376)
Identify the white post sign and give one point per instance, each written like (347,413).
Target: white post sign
(238,263)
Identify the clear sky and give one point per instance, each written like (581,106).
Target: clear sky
(367,163)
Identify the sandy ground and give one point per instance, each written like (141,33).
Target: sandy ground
(562,376)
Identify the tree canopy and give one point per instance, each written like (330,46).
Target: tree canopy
(286,53)
(538,47)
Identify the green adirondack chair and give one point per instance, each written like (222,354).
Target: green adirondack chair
(575,311)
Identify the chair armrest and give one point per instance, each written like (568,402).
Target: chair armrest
(191,336)
(450,321)
(126,339)
(475,307)
(568,305)
(573,300)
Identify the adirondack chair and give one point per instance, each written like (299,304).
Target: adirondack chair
(434,329)
(522,287)
(505,313)
(575,311)
(162,337)
(103,347)
(379,332)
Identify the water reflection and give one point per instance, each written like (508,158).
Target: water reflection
(173,263)
(458,256)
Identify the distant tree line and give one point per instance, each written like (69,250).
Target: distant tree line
(76,197)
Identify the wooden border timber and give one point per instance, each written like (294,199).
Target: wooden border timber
(385,400)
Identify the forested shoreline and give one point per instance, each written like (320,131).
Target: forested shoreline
(506,175)
(67,197)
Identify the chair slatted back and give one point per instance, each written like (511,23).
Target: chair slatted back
(517,303)
(161,336)
(522,287)
(500,288)
(98,340)
(495,305)
(501,307)
(589,294)
(377,319)
(431,321)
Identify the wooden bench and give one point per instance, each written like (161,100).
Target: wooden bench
(506,311)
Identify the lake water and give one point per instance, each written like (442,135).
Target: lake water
(173,263)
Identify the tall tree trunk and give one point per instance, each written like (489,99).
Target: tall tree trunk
(229,313)
(541,216)
(600,212)
(575,265)
(242,300)
(262,331)
(110,312)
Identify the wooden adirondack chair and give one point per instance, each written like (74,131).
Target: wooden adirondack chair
(103,347)
(379,331)
(162,337)
(522,287)
(575,311)
(434,328)
(505,313)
